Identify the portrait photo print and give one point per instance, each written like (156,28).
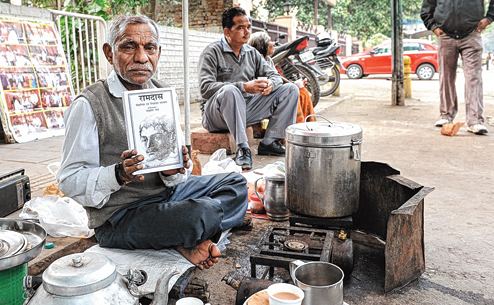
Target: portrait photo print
(152,123)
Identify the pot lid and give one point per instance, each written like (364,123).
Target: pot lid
(324,133)
(78,274)
(275,177)
(11,243)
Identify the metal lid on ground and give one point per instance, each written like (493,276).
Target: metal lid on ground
(19,250)
(79,274)
(324,133)
(11,243)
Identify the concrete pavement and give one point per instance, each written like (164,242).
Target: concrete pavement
(459,235)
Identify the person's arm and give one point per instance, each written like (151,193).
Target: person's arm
(80,176)
(490,11)
(427,14)
(268,70)
(208,75)
(487,20)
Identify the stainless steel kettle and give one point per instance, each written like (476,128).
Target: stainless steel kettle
(92,279)
(274,197)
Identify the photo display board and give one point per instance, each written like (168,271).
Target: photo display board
(35,87)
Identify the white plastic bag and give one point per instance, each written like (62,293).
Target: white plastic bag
(276,169)
(58,216)
(220,163)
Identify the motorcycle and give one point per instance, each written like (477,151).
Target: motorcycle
(326,56)
(291,64)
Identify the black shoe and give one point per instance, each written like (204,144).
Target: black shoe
(243,158)
(273,149)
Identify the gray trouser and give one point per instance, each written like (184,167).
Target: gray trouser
(229,110)
(470,49)
(197,210)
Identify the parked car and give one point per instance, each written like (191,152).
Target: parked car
(379,60)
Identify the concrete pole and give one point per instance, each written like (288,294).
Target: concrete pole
(397,94)
(185,27)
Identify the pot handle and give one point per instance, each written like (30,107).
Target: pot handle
(355,149)
(255,190)
(294,265)
(317,116)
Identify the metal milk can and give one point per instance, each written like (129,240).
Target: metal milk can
(323,168)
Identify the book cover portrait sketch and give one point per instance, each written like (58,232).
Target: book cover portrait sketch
(152,122)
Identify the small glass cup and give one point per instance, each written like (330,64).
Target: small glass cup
(189,301)
(285,294)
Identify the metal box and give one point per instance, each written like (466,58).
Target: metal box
(15,190)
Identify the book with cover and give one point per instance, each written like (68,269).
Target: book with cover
(153,126)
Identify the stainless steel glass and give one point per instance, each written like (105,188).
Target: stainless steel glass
(321,282)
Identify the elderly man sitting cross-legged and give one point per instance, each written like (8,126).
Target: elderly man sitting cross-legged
(151,211)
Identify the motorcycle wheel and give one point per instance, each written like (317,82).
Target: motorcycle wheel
(299,71)
(330,81)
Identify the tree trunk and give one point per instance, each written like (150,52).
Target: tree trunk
(316,6)
(153,7)
(398,95)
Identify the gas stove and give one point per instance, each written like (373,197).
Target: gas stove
(280,245)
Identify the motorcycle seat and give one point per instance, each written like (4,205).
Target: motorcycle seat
(319,50)
(288,45)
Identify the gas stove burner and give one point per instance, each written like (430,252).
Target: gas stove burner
(280,245)
(295,245)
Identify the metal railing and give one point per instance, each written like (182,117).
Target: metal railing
(82,37)
(273,30)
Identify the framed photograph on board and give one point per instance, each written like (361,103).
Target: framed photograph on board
(152,120)
(35,84)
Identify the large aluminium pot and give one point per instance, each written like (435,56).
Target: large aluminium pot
(92,279)
(83,278)
(323,168)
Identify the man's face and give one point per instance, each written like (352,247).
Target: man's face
(270,48)
(155,141)
(239,34)
(136,54)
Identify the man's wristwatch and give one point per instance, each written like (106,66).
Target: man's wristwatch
(118,173)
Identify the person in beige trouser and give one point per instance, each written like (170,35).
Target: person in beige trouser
(470,49)
(458,24)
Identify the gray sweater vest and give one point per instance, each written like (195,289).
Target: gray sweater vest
(109,115)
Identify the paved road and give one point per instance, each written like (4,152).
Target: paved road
(459,213)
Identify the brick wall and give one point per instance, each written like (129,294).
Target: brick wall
(170,67)
(203,14)
(24,12)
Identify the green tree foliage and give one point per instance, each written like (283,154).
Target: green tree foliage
(356,17)
(102,8)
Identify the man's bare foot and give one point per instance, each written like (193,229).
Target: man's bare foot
(204,255)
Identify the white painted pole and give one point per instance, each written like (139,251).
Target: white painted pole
(185,26)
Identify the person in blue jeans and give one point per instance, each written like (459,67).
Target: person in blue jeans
(150,211)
